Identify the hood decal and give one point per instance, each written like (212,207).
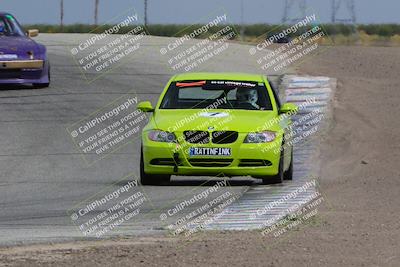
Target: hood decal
(214,114)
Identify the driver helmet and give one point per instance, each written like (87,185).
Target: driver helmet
(2,26)
(247,95)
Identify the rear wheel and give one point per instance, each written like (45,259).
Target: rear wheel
(151,179)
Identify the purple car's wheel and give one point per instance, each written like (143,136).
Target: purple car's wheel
(43,85)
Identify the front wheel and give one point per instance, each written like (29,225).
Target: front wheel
(151,179)
(288,175)
(276,179)
(43,85)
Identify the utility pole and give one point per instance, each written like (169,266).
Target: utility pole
(293,9)
(349,16)
(145,13)
(96,12)
(351,11)
(61,15)
(241,20)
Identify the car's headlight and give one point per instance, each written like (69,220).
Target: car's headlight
(162,136)
(262,137)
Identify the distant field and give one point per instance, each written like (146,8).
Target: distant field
(364,34)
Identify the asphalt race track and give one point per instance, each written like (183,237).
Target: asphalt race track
(42,173)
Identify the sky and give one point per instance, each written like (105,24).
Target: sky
(190,11)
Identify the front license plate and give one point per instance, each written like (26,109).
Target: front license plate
(9,56)
(209,151)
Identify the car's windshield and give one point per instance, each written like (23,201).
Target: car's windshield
(217,94)
(9,26)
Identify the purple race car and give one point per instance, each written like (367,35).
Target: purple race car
(22,60)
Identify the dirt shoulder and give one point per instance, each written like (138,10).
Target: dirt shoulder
(358,223)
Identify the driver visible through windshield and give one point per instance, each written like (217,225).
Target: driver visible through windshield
(202,94)
(9,26)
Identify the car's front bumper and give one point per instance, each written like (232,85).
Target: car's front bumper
(23,71)
(257,160)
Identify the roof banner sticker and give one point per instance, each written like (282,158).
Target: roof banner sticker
(234,83)
(10,17)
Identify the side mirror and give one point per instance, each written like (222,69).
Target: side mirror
(145,106)
(289,108)
(33,33)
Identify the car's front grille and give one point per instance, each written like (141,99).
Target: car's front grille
(31,74)
(210,162)
(10,74)
(218,137)
(254,163)
(224,137)
(197,137)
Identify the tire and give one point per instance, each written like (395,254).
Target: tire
(42,85)
(288,175)
(276,179)
(151,179)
